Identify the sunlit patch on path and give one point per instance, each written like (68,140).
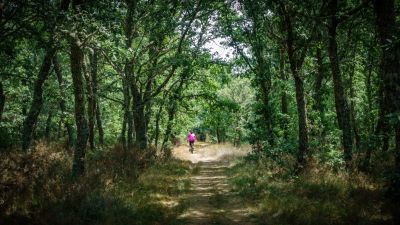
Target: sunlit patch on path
(210,200)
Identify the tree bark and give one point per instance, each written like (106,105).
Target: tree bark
(48,126)
(390,76)
(128,79)
(63,107)
(319,77)
(76,58)
(157,133)
(140,125)
(93,70)
(168,130)
(2,100)
(342,108)
(302,117)
(99,123)
(264,80)
(369,117)
(37,102)
(284,96)
(353,113)
(171,108)
(296,62)
(91,104)
(125,108)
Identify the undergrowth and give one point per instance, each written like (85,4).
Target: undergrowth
(118,188)
(319,195)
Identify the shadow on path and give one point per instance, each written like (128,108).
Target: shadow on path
(211,200)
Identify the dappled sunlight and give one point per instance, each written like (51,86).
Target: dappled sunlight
(211,200)
(206,152)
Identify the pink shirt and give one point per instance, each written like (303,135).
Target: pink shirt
(191,137)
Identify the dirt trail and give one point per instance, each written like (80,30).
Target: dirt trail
(211,200)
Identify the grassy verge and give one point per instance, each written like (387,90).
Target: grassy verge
(318,196)
(107,194)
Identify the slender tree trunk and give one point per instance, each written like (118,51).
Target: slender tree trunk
(76,59)
(319,77)
(61,85)
(382,127)
(284,97)
(24,99)
(158,118)
(128,111)
(91,104)
(171,108)
(302,117)
(140,126)
(218,134)
(342,108)
(353,116)
(295,66)
(369,117)
(125,108)
(168,130)
(59,128)
(48,126)
(93,70)
(2,100)
(99,123)
(129,72)
(123,129)
(265,83)
(37,102)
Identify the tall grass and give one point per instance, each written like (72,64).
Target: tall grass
(118,188)
(319,195)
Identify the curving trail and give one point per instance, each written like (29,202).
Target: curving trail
(211,200)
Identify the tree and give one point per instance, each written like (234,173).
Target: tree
(389,74)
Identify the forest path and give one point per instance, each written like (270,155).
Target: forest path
(211,200)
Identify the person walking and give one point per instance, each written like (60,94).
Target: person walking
(191,139)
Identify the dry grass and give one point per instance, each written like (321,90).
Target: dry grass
(36,188)
(318,196)
(210,152)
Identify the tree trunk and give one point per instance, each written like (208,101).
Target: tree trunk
(319,77)
(368,113)
(284,97)
(48,126)
(76,59)
(125,109)
(218,134)
(171,107)
(353,114)
(62,103)
(390,77)
(91,104)
(168,130)
(25,101)
(295,66)
(59,128)
(265,83)
(342,108)
(99,123)
(158,118)
(37,102)
(93,71)
(2,100)
(129,73)
(140,125)
(302,117)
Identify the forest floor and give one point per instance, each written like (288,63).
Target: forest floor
(211,200)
